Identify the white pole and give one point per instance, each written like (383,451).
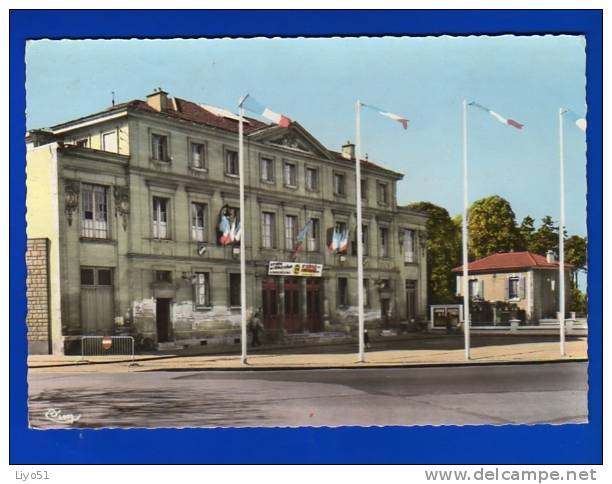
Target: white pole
(243,322)
(561,235)
(464,233)
(359,231)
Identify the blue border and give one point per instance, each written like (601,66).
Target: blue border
(565,444)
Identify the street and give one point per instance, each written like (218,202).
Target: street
(504,394)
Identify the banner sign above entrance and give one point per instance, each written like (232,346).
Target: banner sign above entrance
(304,269)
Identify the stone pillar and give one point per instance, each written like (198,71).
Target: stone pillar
(303,304)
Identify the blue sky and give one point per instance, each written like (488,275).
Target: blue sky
(316,82)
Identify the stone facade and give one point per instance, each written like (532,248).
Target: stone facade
(37,260)
(141,187)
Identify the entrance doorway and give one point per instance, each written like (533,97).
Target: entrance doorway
(269,305)
(384,311)
(162,312)
(313,305)
(292,305)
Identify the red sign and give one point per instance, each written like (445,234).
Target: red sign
(107,342)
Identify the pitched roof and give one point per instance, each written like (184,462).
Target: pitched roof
(510,260)
(365,163)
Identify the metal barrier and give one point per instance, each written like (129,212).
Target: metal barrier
(107,346)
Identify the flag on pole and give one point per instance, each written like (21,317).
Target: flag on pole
(499,117)
(395,117)
(579,121)
(253,106)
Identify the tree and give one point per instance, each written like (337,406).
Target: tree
(492,226)
(576,255)
(526,231)
(545,238)
(443,252)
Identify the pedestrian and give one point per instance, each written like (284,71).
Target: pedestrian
(256,327)
(366,338)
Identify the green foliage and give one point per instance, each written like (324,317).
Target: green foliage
(578,301)
(443,252)
(526,231)
(545,238)
(492,226)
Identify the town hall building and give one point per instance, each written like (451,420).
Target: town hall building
(124,212)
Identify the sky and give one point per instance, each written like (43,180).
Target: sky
(317,81)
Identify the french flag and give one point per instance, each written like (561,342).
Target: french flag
(499,117)
(253,106)
(395,117)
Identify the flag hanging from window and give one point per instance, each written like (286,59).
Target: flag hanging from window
(253,106)
(579,121)
(395,117)
(499,117)
(301,238)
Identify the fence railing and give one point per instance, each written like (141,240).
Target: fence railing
(107,346)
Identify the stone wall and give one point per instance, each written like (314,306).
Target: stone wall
(37,257)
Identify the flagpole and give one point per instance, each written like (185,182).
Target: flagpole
(360,298)
(464,232)
(243,322)
(561,235)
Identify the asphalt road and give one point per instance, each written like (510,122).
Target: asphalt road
(542,393)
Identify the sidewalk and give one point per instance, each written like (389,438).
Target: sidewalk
(520,352)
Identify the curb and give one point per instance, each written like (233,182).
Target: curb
(355,366)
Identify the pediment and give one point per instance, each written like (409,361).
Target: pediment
(295,138)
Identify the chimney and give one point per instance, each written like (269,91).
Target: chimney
(158,100)
(348,151)
(550,256)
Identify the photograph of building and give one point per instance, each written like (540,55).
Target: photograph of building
(126,212)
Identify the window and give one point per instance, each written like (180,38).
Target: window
(266,167)
(87,277)
(312,241)
(342,291)
(201,289)
(198,221)
(109,141)
(290,175)
(159,147)
(408,245)
(231,163)
(383,193)
(163,276)
(96,276)
(515,289)
(364,189)
(198,155)
(267,232)
(312,179)
(384,242)
(290,231)
(234,290)
(475,289)
(160,218)
(94,218)
(339,185)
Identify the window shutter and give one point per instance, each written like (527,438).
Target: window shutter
(458,289)
(481,289)
(507,288)
(522,287)
(330,234)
